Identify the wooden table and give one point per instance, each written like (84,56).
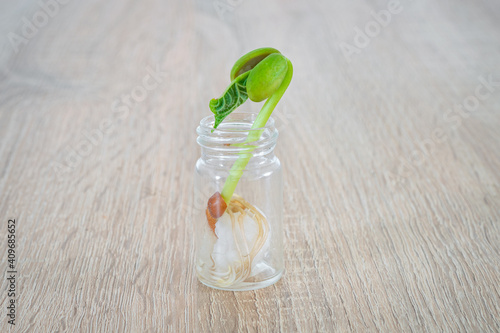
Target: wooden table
(389,139)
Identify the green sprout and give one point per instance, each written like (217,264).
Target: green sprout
(258,75)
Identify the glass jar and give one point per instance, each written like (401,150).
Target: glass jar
(244,249)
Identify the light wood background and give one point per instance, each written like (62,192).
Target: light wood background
(378,235)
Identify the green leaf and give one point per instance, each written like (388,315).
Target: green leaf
(234,96)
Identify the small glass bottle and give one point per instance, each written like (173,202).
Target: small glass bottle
(244,249)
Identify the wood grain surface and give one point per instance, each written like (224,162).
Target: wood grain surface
(389,140)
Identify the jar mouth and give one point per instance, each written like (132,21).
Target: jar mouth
(235,134)
(234,123)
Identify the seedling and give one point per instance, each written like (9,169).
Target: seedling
(262,74)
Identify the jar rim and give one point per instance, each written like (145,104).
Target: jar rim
(207,123)
(232,135)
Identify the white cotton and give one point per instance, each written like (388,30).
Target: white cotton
(225,251)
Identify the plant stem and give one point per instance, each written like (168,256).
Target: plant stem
(244,156)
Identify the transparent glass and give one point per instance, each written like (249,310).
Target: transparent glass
(245,249)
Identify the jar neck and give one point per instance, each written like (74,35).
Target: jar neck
(235,136)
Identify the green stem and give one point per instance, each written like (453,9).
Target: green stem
(244,156)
